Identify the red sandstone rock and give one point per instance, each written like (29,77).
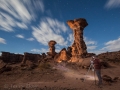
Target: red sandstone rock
(79,48)
(31,57)
(11,57)
(51,48)
(62,56)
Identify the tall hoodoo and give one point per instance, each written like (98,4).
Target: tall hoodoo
(78,47)
(51,45)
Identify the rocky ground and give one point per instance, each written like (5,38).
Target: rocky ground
(56,77)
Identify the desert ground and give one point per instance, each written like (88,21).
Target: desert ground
(57,77)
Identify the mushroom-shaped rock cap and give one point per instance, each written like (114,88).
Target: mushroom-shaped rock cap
(81,22)
(52,43)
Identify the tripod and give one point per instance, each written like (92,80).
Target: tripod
(90,67)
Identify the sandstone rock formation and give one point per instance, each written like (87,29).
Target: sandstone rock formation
(62,56)
(11,57)
(51,45)
(31,57)
(79,48)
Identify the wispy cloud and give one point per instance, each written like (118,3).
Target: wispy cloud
(89,41)
(18,13)
(91,45)
(30,39)
(22,25)
(20,36)
(50,29)
(97,51)
(113,45)
(2,40)
(70,38)
(42,50)
(112,3)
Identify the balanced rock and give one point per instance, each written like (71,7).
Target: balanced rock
(51,45)
(79,48)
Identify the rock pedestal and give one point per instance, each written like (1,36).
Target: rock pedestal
(79,48)
(51,45)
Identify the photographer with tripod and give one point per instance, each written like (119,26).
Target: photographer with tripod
(97,67)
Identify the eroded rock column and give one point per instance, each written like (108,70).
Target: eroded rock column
(51,45)
(78,47)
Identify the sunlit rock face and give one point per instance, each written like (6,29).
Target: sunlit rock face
(51,45)
(78,47)
(62,56)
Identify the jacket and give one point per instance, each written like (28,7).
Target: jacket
(97,64)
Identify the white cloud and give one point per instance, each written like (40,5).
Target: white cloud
(18,13)
(58,48)
(70,38)
(113,45)
(112,3)
(20,36)
(89,42)
(50,29)
(16,8)
(97,51)
(6,22)
(22,25)
(91,47)
(0,53)
(42,50)
(30,39)
(2,40)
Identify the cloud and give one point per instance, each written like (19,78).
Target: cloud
(30,39)
(50,29)
(97,51)
(70,38)
(89,42)
(18,13)
(2,40)
(113,45)
(91,45)
(112,3)
(20,36)
(22,25)
(42,50)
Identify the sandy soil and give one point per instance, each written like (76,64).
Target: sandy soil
(59,77)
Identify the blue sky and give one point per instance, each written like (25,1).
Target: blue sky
(28,25)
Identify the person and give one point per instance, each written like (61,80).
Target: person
(97,68)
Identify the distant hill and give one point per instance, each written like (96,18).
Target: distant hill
(110,56)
